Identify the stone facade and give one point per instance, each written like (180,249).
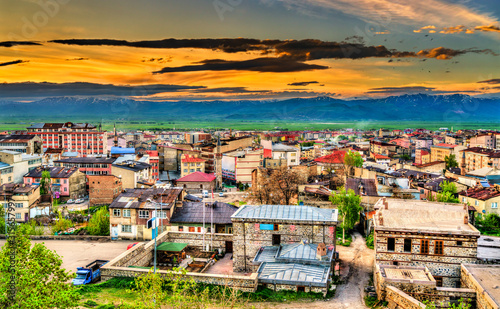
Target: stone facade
(248,238)
(446,265)
(195,240)
(484,300)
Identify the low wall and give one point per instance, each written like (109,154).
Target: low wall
(242,283)
(66,237)
(142,254)
(398,299)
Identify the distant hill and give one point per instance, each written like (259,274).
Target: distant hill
(417,107)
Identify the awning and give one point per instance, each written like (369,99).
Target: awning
(171,246)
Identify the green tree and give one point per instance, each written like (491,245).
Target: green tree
(405,157)
(447,192)
(488,224)
(351,160)
(450,161)
(99,223)
(348,204)
(45,183)
(41,282)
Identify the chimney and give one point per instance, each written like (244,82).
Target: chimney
(465,206)
(320,251)
(380,219)
(466,219)
(386,205)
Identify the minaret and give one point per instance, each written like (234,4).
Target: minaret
(218,165)
(116,136)
(462,167)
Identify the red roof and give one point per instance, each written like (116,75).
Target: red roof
(190,159)
(379,156)
(197,177)
(337,157)
(446,145)
(268,153)
(152,153)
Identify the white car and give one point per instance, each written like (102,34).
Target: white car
(70,201)
(79,201)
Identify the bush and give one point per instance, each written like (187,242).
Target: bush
(61,224)
(348,238)
(90,303)
(99,223)
(369,241)
(488,224)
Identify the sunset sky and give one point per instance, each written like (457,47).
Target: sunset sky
(248,49)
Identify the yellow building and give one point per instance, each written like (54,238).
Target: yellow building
(191,164)
(484,200)
(440,151)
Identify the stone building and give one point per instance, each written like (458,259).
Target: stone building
(424,234)
(272,225)
(485,280)
(103,189)
(197,182)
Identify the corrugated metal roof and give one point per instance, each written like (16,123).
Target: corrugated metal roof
(293,274)
(286,212)
(138,198)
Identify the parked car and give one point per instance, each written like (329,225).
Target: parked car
(70,201)
(90,273)
(130,246)
(221,194)
(79,201)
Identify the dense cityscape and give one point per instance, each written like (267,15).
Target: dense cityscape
(279,154)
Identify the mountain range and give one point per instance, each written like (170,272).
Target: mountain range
(414,107)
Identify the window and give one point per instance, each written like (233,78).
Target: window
(161,214)
(126,213)
(276,227)
(459,242)
(18,216)
(391,244)
(494,205)
(116,213)
(181,228)
(439,280)
(407,245)
(395,263)
(424,246)
(463,199)
(191,229)
(230,230)
(126,228)
(476,203)
(301,289)
(185,170)
(438,247)
(143,214)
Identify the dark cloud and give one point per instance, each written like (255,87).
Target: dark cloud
(46,89)
(3,64)
(490,81)
(229,90)
(300,50)
(276,65)
(414,90)
(490,28)
(159,60)
(303,83)
(14,43)
(77,59)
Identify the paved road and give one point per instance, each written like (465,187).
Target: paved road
(76,253)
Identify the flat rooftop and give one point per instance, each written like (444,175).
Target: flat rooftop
(422,216)
(488,277)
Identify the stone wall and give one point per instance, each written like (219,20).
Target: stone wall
(281,287)
(397,299)
(248,238)
(446,266)
(195,240)
(243,283)
(484,300)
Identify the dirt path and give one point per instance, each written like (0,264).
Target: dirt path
(350,294)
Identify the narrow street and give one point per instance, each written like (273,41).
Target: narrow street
(359,260)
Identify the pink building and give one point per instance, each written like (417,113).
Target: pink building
(483,140)
(403,142)
(69,182)
(154,161)
(423,143)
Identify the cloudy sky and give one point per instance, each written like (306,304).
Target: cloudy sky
(248,49)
